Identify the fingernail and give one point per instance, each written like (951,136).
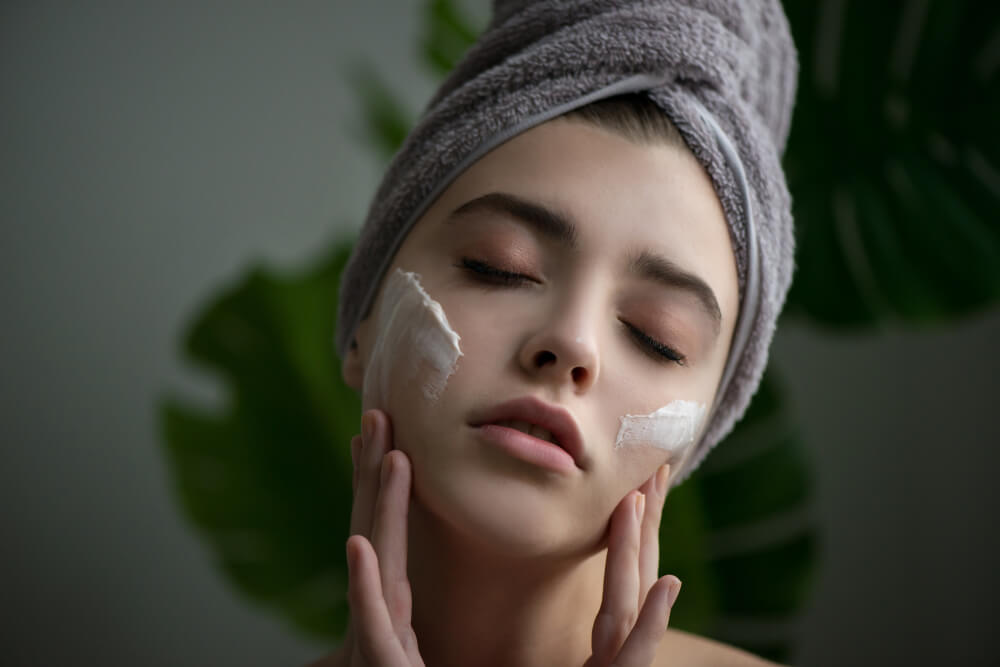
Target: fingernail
(673,591)
(662,475)
(386,468)
(640,505)
(368,426)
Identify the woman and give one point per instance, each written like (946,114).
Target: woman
(561,300)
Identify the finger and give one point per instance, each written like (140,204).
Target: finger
(389,537)
(649,544)
(619,609)
(642,643)
(374,446)
(355,453)
(373,630)
(347,646)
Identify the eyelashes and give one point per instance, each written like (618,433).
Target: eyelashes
(491,276)
(654,347)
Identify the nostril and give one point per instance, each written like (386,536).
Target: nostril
(579,374)
(544,358)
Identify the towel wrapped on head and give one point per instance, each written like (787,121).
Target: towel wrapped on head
(723,71)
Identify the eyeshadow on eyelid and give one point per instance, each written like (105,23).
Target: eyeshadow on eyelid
(671,329)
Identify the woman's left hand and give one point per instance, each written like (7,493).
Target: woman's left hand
(636,605)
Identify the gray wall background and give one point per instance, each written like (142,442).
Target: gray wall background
(152,151)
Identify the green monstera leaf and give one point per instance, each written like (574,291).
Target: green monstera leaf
(894,160)
(266,477)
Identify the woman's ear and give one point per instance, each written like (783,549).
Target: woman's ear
(352,369)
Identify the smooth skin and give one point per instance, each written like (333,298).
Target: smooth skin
(462,555)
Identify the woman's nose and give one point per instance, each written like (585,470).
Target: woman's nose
(562,351)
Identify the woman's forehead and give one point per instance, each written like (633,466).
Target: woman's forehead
(596,178)
(595,193)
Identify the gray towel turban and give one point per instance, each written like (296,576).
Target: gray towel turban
(723,71)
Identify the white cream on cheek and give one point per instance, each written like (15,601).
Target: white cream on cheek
(671,428)
(414,342)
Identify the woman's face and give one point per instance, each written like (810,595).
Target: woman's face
(585,272)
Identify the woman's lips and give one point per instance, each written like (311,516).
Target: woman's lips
(528,447)
(535,431)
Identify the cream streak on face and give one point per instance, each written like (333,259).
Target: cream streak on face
(414,338)
(672,428)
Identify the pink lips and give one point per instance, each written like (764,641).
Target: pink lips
(504,425)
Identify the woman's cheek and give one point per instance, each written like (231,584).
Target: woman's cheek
(673,428)
(415,346)
(638,464)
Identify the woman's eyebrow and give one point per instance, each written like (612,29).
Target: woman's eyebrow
(558,227)
(547,222)
(660,269)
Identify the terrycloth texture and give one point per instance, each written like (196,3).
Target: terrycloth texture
(538,59)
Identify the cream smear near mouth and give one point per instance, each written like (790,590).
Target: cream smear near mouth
(414,342)
(672,428)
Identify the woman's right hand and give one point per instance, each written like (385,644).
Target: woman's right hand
(379,633)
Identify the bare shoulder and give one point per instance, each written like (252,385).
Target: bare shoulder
(683,648)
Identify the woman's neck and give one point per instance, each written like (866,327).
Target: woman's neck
(472,607)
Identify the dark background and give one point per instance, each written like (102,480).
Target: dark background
(151,153)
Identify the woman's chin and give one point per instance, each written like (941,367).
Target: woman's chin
(506,517)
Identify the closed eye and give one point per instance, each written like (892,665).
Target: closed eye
(491,275)
(653,347)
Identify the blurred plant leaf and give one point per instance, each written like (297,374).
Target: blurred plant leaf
(385,117)
(740,531)
(447,35)
(266,479)
(894,160)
